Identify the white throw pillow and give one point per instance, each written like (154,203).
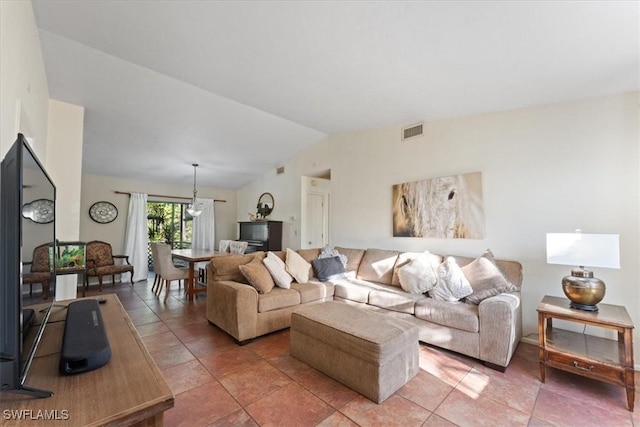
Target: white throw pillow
(452,285)
(417,276)
(278,270)
(297,266)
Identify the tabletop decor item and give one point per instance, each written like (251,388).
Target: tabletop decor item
(578,249)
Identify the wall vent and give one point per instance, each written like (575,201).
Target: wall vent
(412,131)
(280,170)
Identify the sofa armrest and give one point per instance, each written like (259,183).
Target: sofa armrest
(233,307)
(500,323)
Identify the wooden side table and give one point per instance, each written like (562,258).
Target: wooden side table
(602,359)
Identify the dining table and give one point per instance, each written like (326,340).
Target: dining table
(194,256)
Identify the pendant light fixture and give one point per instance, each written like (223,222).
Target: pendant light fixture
(194,208)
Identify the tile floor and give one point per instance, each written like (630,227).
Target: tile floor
(218,383)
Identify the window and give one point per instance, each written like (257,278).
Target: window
(169,222)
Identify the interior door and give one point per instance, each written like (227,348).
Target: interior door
(315,235)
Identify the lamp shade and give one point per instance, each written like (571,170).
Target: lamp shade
(585,250)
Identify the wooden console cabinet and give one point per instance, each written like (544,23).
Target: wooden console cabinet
(128,390)
(262,235)
(598,358)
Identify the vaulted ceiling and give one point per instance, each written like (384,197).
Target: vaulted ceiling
(240,87)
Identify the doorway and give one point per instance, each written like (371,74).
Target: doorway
(316,198)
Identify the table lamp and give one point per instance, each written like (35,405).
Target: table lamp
(578,249)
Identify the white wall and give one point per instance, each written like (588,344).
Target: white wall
(286,190)
(24,95)
(546,169)
(64,164)
(96,188)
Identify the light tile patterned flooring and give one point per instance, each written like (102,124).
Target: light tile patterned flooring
(219,383)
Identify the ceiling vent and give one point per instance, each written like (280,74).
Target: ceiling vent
(280,170)
(412,131)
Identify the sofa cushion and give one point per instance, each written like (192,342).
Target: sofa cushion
(329,287)
(353,290)
(328,268)
(257,275)
(456,315)
(394,299)
(452,285)
(417,276)
(297,266)
(223,268)
(354,257)
(377,265)
(309,254)
(405,257)
(278,298)
(278,270)
(310,291)
(485,278)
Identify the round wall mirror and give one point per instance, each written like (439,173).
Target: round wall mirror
(265,205)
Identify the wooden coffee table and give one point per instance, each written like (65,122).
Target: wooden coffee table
(602,359)
(129,390)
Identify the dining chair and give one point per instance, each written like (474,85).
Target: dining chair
(238,247)
(156,267)
(223,246)
(168,271)
(40,270)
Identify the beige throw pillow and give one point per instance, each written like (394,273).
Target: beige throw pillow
(258,276)
(278,270)
(417,276)
(485,279)
(297,266)
(452,285)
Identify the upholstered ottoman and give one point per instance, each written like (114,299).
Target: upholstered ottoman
(369,352)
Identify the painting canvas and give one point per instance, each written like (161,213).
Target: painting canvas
(444,208)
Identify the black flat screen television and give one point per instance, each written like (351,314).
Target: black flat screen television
(27,220)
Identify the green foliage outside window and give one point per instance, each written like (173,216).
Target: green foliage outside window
(170,223)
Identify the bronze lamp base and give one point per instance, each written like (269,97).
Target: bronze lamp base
(584,290)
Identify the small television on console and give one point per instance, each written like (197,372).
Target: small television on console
(27,221)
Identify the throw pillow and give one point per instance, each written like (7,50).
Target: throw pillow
(329,268)
(452,285)
(330,252)
(485,278)
(258,276)
(417,276)
(278,270)
(297,266)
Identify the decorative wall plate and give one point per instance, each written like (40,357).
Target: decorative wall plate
(103,212)
(41,211)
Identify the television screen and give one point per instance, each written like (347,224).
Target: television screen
(27,221)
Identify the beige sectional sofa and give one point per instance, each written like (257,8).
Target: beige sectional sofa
(489,331)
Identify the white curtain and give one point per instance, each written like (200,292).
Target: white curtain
(136,240)
(204,227)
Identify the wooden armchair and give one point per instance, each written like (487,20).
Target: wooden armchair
(40,271)
(100,262)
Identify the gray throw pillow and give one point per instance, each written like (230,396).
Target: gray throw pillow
(329,268)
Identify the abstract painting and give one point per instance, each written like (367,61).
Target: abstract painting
(443,208)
